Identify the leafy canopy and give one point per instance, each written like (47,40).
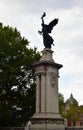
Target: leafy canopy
(16,72)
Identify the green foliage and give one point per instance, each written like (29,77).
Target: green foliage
(61,103)
(72,114)
(17,82)
(71,107)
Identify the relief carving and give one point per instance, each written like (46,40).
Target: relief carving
(53,78)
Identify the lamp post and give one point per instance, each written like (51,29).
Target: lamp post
(14,114)
(15,109)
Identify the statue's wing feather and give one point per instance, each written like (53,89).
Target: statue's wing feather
(53,23)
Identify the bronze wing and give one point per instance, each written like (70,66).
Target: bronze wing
(52,24)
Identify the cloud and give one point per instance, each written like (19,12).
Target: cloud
(68,51)
(73,88)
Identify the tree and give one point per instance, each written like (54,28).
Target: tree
(72,114)
(61,104)
(71,110)
(16,73)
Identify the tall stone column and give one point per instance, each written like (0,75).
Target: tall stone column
(47,116)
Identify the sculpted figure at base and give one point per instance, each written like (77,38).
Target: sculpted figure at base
(46,29)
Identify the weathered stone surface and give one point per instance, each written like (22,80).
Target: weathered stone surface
(47,115)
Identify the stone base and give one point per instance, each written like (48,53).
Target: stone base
(47,115)
(47,127)
(47,55)
(42,123)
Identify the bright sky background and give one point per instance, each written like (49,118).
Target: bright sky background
(67,34)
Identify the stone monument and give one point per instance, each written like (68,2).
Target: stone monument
(47,116)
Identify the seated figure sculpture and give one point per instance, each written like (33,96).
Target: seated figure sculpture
(46,29)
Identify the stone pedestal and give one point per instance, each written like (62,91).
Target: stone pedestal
(47,115)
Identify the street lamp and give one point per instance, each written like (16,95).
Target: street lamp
(15,109)
(14,114)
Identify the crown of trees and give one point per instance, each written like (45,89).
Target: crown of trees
(17,82)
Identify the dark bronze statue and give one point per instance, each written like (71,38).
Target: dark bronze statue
(46,29)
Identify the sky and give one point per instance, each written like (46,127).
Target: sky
(67,34)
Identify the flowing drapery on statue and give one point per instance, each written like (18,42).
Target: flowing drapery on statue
(46,29)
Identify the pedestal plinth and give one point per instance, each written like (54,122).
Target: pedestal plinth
(47,115)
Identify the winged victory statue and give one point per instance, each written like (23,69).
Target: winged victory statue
(46,29)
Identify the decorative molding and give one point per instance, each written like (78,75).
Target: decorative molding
(47,121)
